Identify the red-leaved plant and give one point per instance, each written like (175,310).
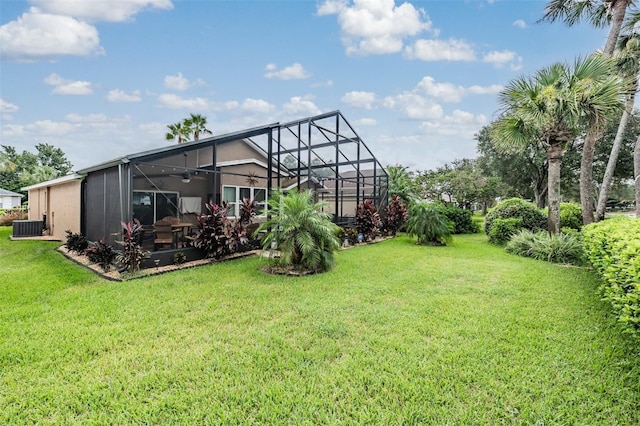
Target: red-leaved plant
(368,221)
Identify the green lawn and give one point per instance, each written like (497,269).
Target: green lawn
(395,334)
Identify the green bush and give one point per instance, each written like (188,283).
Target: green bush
(503,229)
(613,248)
(563,248)
(531,218)
(428,222)
(571,216)
(462,220)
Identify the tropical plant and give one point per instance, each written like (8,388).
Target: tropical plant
(395,215)
(9,216)
(551,108)
(132,254)
(303,235)
(402,183)
(368,222)
(599,13)
(560,248)
(350,235)
(101,253)
(570,216)
(196,124)
(179,132)
(179,258)
(428,222)
(217,235)
(76,242)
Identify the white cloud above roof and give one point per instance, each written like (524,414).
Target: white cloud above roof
(173,101)
(440,50)
(36,35)
(359,99)
(375,27)
(120,96)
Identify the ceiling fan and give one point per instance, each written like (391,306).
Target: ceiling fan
(186,176)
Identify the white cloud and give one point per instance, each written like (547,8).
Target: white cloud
(90,118)
(117,95)
(36,35)
(180,82)
(301,106)
(256,106)
(7,107)
(460,123)
(440,50)
(103,10)
(328,83)
(359,99)
(448,92)
(520,24)
(292,72)
(485,90)
(172,101)
(365,122)
(376,27)
(500,59)
(63,86)
(50,128)
(414,106)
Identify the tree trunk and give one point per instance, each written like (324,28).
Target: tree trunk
(554,157)
(540,190)
(619,11)
(613,159)
(586,173)
(636,172)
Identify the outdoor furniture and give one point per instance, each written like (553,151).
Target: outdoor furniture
(164,234)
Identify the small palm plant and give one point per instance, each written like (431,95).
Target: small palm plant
(303,235)
(428,222)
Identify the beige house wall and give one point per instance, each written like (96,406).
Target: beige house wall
(61,204)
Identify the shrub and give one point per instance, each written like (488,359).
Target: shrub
(563,248)
(396,215)
(348,234)
(132,254)
(217,235)
(531,218)
(7,218)
(503,229)
(179,258)
(102,254)
(612,247)
(428,222)
(571,216)
(76,242)
(462,220)
(368,221)
(302,234)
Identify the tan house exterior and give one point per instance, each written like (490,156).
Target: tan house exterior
(58,201)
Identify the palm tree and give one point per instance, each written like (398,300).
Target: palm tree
(628,60)
(178,131)
(599,13)
(401,183)
(304,236)
(551,108)
(428,222)
(197,124)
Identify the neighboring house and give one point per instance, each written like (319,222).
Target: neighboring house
(178,180)
(9,199)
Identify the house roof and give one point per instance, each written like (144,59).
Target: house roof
(54,182)
(187,146)
(7,193)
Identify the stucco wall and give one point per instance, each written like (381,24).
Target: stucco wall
(63,209)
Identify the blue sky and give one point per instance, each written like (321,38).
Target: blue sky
(417,80)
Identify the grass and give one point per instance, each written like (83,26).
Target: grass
(395,334)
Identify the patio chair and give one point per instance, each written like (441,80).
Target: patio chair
(164,234)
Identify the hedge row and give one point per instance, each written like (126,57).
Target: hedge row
(613,248)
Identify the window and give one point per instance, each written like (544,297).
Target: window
(234,194)
(151,206)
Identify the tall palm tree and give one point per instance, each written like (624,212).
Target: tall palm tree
(628,60)
(550,109)
(599,13)
(197,124)
(178,131)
